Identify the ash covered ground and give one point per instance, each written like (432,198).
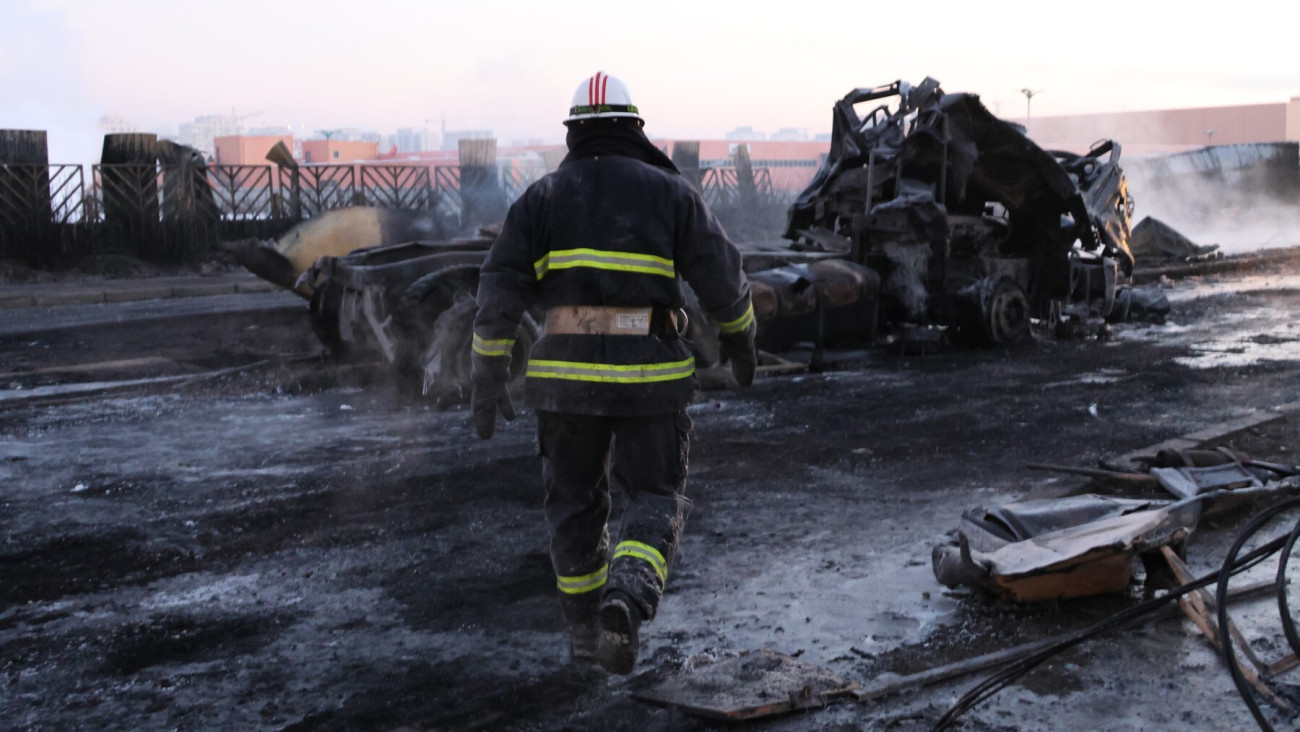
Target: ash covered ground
(287,546)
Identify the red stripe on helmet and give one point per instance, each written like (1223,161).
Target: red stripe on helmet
(604,85)
(591,96)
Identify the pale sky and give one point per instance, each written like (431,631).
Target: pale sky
(696,69)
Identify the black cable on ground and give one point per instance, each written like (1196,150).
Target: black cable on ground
(1221,599)
(1018,668)
(1283,605)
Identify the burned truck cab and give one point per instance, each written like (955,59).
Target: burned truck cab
(972,228)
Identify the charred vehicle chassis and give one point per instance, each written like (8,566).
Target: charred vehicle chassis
(968,223)
(413,304)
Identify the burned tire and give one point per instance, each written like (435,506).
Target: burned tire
(324,310)
(993,313)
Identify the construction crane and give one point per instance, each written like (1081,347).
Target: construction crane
(237,118)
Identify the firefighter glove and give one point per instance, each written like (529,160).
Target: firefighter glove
(738,348)
(490,395)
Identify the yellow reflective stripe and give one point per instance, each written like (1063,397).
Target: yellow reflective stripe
(739,324)
(645,553)
(643,373)
(498,347)
(585,583)
(607,260)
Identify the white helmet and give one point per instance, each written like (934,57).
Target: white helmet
(602,96)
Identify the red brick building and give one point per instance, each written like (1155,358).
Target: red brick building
(338,151)
(246,149)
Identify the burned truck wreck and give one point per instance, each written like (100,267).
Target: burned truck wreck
(971,227)
(928,222)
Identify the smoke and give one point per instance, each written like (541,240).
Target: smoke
(43,86)
(73,135)
(1241,197)
(1241,209)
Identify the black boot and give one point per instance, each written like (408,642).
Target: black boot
(620,619)
(584,641)
(581,616)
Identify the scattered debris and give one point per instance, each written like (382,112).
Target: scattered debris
(1139,304)
(1109,476)
(739,688)
(888,684)
(1081,545)
(1189,587)
(1197,606)
(1153,239)
(1054,549)
(1187,482)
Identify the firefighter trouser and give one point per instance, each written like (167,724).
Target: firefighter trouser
(649,461)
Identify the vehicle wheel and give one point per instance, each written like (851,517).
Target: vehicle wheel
(436,361)
(993,313)
(324,310)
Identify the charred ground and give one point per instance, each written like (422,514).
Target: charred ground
(281,546)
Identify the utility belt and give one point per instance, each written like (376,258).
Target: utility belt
(663,323)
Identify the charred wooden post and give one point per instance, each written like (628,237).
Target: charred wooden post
(482,199)
(686,156)
(746,186)
(128,184)
(186,192)
(189,208)
(25,215)
(281,156)
(24,147)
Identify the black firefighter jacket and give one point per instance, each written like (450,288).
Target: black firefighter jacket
(616,232)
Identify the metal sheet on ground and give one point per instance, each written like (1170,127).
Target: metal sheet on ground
(760,684)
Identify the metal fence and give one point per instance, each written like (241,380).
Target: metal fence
(516,179)
(245,192)
(42,208)
(726,188)
(446,191)
(171,213)
(396,186)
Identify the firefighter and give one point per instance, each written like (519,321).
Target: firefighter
(602,245)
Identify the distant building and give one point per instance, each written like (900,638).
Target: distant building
(200,133)
(269,130)
(338,151)
(409,139)
(1170,130)
(114,124)
(789,134)
(246,149)
(451,138)
(744,133)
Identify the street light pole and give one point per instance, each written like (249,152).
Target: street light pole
(1029,98)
